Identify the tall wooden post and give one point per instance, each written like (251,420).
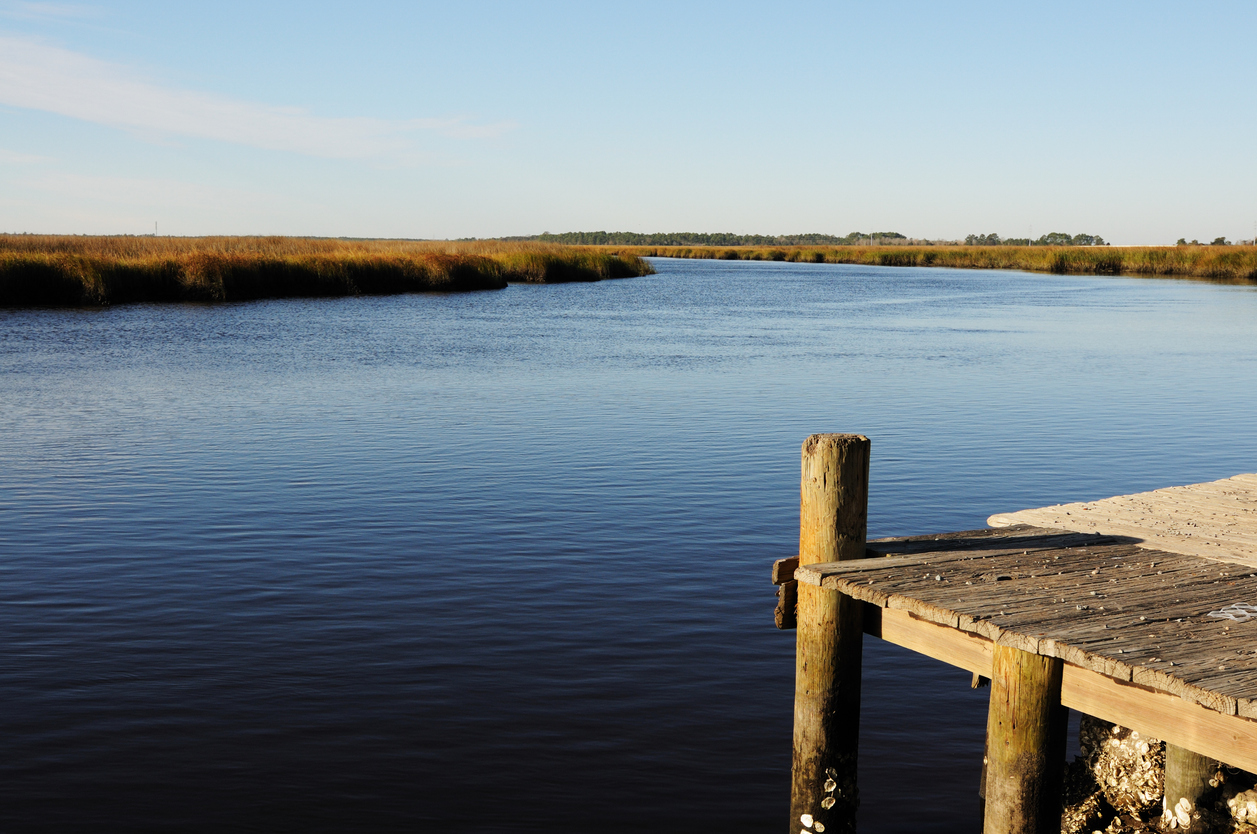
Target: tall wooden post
(833,520)
(1187,776)
(1025,744)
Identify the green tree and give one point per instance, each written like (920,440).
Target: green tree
(1056,239)
(983,240)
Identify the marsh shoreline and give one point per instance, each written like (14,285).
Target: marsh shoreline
(95,271)
(90,271)
(1233,263)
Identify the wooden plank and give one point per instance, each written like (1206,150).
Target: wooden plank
(817,573)
(1007,538)
(952,646)
(1215,520)
(1201,517)
(783,570)
(1127,612)
(1036,611)
(786,614)
(1227,738)
(989,559)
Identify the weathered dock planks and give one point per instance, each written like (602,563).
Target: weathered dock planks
(1122,610)
(1215,520)
(1132,624)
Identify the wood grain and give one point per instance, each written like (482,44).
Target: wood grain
(1025,747)
(833,512)
(1136,617)
(1231,739)
(1216,520)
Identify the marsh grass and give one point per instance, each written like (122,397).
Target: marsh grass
(63,270)
(1234,263)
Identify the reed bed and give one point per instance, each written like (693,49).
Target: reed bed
(1235,263)
(65,270)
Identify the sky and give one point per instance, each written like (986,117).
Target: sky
(1134,121)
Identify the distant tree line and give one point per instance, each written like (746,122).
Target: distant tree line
(708,239)
(1217,241)
(1050,239)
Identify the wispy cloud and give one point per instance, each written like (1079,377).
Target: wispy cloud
(49,11)
(134,191)
(15,158)
(57,200)
(38,76)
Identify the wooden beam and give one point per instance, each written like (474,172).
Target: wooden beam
(783,570)
(950,645)
(786,613)
(1227,738)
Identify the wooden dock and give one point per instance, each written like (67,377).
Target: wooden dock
(1215,520)
(1133,610)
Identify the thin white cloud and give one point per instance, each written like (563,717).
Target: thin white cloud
(37,76)
(91,204)
(146,193)
(48,11)
(8,157)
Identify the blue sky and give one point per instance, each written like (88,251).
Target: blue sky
(1135,121)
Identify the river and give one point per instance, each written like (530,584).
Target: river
(499,561)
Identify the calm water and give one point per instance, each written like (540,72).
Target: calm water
(499,561)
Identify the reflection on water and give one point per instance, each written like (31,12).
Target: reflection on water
(499,561)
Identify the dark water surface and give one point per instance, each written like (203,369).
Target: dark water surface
(499,561)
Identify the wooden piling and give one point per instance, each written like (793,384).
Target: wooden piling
(1025,750)
(833,517)
(1187,776)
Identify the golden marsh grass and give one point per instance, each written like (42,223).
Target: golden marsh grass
(68,270)
(1237,263)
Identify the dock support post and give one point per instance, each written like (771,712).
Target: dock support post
(833,519)
(1025,746)
(1187,776)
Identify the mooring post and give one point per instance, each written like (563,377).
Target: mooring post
(1025,744)
(1187,776)
(833,520)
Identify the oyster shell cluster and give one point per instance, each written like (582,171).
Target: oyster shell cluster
(1117,786)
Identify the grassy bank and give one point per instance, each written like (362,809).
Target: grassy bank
(1215,262)
(63,270)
